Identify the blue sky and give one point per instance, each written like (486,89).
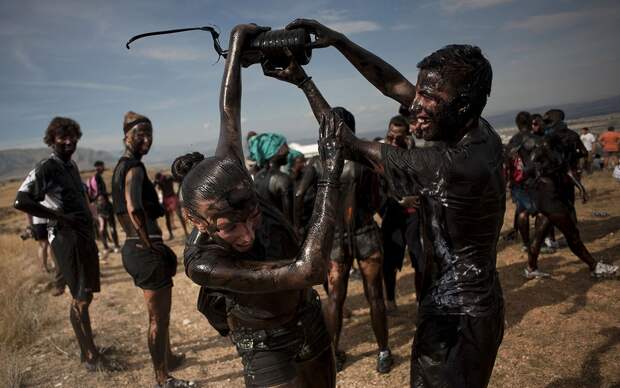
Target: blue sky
(68,58)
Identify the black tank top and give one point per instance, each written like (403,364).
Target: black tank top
(150,201)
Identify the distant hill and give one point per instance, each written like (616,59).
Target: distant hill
(503,122)
(16,163)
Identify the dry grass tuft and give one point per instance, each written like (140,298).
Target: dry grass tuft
(22,310)
(11,370)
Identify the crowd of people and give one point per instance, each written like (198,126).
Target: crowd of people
(268,228)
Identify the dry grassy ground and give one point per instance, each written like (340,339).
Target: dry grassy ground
(560,332)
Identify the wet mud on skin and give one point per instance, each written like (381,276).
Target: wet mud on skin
(560,332)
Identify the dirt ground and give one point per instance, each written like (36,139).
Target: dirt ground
(560,332)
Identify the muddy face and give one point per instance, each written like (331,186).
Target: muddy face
(433,110)
(397,136)
(64,145)
(139,139)
(280,159)
(239,231)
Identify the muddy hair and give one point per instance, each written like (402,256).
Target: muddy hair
(555,114)
(61,126)
(207,179)
(346,116)
(467,70)
(131,119)
(399,121)
(403,110)
(523,119)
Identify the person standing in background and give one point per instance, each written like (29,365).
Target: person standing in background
(610,142)
(588,140)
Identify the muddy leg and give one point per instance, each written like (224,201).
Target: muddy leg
(373,290)
(158,305)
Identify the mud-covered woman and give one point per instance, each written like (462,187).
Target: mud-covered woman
(256,275)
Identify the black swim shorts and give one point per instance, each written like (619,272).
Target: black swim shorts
(151,269)
(364,242)
(78,259)
(39,232)
(269,356)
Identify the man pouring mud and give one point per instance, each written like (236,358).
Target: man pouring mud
(461,186)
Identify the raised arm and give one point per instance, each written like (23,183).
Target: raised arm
(310,267)
(229,142)
(296,75)
(381,74)
(362,151)
(133,196)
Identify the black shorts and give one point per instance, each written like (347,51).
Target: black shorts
(78,259)
(151,269)
(455,350)
(270,357)
(364,242)
(39,232)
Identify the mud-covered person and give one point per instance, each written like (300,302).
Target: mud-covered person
(516,178)
(549,169)
(357,234)
(270,151)
(98,192)
(243,250)
(72,230)
(461,186)
(400,225)
(150,262)
(170,202)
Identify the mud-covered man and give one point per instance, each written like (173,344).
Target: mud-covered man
(72,231)
(400,223)
(150,262)
(550,164)
(357,234)
(461,185)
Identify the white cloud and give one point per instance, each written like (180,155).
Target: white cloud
(173,54)
(402,27)
(354,26)
(332,15)
(25,60)
(455,5)
(78,85)
(539,23)
(340,21)
(166,104)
